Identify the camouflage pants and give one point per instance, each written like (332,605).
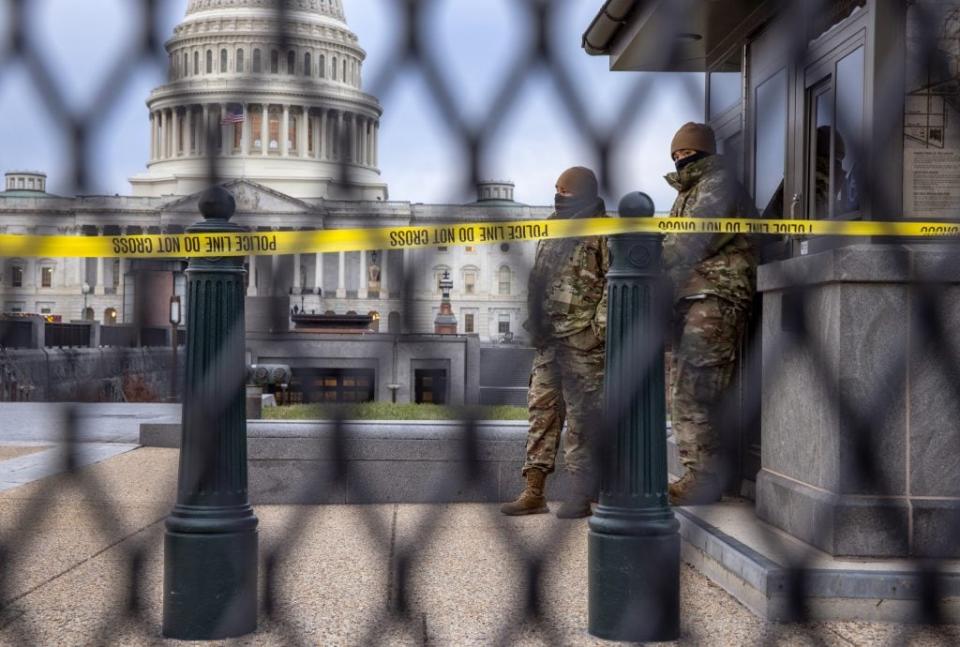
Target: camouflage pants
(706,336)
(566,383)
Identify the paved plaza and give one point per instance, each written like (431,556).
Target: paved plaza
(72,539)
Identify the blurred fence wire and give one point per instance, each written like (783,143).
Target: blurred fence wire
(538,54)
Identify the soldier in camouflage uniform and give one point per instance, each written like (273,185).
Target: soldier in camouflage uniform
(713,278)
(567,323)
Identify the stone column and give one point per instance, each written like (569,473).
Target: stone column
(161,134)
(354,133)
(153,137)
(175,149)
(362,287)
(252,278)
(384,274)
(376,145)
(205,131)
(303,132)
(285,131)
(188,149)
(297,284)
(246,136)
(318,274)
(264,128)
(99,287)
(226,130)
(322,146)
(274,271)
(338,138)
(341,276)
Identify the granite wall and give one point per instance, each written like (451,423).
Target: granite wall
(861,424)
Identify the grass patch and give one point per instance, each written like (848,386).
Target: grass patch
(389,411)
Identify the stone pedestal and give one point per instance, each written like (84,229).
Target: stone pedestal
(869,372)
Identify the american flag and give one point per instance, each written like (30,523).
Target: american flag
(233,117)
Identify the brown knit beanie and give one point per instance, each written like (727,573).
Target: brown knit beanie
(693,136)
(578,181)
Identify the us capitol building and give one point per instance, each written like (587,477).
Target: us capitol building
(296,140)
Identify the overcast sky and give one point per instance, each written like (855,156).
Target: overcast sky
(477,43)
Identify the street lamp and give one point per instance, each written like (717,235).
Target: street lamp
(175,318)
(86,289)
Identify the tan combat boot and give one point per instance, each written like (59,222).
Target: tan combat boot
(531,500)
(695,488)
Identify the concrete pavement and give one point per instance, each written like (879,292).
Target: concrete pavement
(73,539)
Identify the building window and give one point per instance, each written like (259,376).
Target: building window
(45,308)
(503,324)
(196,63)
(470,282)
(256,128)
(307,64)
(323,66)
(292,134)
(14,307)
(46,277)
(274,62)
(850,90)
(257,62)
(274,131)
(771,144)
(110,316)
(344,70)
(725,85)
(223,61)
(239,61)
(469,323)
(334,68)
(505,280)
(16,276)
(470,249)
(430,386)
(291,62)
(186,64)
(209,61)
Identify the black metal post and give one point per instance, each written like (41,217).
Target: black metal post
(210,545)
(633,542)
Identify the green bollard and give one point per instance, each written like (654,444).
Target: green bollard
(633,541)
(210,543)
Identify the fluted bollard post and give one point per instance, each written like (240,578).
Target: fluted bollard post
(210,545)
(633,542)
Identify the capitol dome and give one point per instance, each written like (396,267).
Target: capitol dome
(228,72)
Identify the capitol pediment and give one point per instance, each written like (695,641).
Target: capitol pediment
(251,198)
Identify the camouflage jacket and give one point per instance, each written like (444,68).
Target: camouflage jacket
(568,288)
(719,264)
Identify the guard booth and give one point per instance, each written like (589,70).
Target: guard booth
(839,114)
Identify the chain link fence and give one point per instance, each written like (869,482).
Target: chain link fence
(537,56)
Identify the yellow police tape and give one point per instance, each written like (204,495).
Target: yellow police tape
(477,233)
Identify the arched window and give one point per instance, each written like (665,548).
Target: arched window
(323,66)
(209,61)
(334,66)
(223,61)
(307,64)
(196,63)
(274,62)
(257,62)
(186,64)
(344,70)
(239,61)
(291,62)
(505,277)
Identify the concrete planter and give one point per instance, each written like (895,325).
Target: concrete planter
(379,461)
